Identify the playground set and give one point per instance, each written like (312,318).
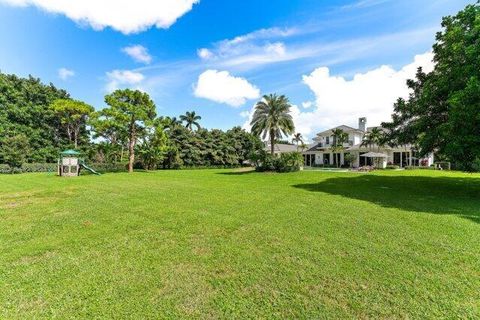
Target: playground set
(70,164)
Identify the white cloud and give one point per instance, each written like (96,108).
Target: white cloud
(138,53)
(121,78)
(64,73)
(245,114)
(258,47)
(221,87)
(341,101)
(269,46)
(371,94)
(204,53)
(122,15)
(307,104)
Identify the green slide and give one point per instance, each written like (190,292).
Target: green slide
(89,169)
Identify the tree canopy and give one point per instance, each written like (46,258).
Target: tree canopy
(442,113)
(25,110)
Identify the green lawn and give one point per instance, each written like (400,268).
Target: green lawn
(227,244)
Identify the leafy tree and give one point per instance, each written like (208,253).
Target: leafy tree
(191,119)
(272,117)
(73,117)
(339,138)
(14,150)
(442,113)
(25,109)
(131,110)
(114,134)
(153,147)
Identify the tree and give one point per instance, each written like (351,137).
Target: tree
(272,117)
(297,139)
(131,110)
(73,116)
(154,146)
(191,120)
(14,150)
(442,113)
(106,127)
(339,138)
(25,109)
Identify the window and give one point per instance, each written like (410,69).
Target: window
(65,169)
(309,160)
(326,158)
(328,140)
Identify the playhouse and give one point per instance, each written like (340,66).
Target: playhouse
(69,164)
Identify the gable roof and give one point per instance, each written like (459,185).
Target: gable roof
(342,127)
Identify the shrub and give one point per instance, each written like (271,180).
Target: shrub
(39,167)
(286,162)
(392,167)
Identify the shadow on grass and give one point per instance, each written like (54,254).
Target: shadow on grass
(438,195)
(236,173)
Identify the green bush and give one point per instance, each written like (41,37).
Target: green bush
(39,167)
(392,167)
(286,162)
(419,168)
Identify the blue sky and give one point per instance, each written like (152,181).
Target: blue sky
(217,57)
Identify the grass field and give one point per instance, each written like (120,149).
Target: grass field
(229,244)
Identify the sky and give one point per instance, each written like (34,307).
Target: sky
(335,60)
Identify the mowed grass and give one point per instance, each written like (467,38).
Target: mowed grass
(229,244)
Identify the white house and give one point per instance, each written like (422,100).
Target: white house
(321,153)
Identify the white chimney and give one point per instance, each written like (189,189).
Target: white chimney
(362,124)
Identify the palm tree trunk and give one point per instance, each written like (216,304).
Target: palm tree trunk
(272,143)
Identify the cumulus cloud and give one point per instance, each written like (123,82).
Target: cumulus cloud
(342,101)
(221,87)
(64,73)
(121,78)
(122,15)
(371,94)
(138,53)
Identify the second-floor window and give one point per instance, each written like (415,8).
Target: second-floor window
(327,140)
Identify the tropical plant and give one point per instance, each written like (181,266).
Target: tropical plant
(132,110)
(191,119)
(272,118)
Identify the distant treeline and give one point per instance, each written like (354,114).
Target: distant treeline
(38,121)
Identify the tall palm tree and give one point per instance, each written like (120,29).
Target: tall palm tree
(191,119)
(272,117)
(297,139)
(339,138)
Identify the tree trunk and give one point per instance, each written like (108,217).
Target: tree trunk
(131,147)
(76,133)
(272,143)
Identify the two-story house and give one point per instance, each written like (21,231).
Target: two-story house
(322,151)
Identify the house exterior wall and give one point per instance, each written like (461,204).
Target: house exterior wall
(406,158)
